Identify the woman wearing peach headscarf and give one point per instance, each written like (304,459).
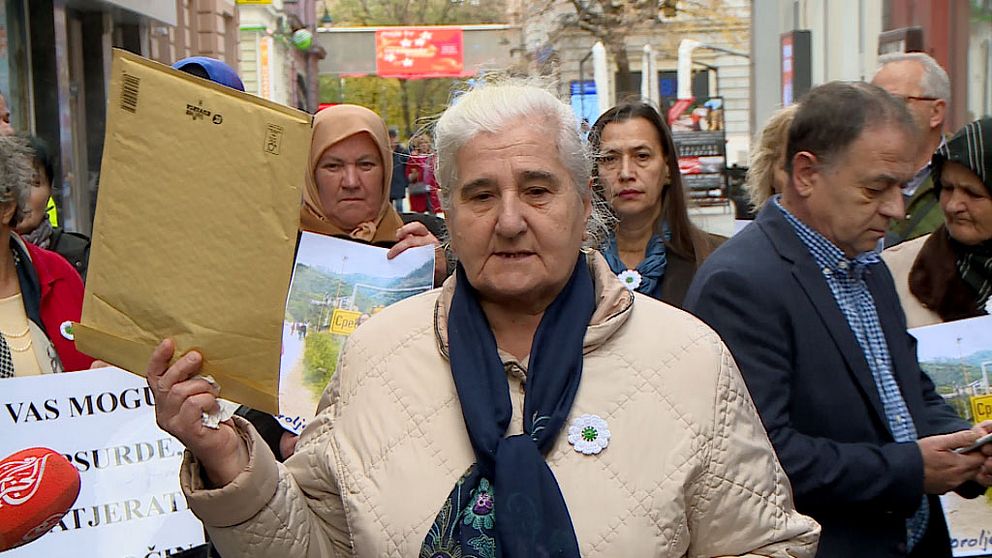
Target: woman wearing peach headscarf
(347,186)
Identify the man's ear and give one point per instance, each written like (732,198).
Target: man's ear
(938,114)
(805,168)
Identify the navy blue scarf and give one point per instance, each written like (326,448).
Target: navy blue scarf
(652,267)
(508,503)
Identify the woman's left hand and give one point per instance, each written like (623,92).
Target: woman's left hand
(415,234)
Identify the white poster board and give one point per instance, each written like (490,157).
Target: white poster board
(958,358)
(103,421)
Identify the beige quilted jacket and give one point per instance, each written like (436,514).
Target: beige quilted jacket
(900,259)
(688,471)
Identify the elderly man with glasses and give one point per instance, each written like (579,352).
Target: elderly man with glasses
(923,85)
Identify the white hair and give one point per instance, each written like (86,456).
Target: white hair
(934,82)
(497,103)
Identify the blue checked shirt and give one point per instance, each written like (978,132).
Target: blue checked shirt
(845,277)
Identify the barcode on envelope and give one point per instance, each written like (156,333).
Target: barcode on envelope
(129,93)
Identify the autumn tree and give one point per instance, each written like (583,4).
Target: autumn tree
(409,101)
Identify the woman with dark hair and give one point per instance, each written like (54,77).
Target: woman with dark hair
(656,249)
(36,226)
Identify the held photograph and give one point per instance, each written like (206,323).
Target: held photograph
(958,358)
(337,285)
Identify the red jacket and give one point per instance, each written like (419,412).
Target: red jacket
(61,301)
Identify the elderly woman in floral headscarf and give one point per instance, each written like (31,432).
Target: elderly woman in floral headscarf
(947,275)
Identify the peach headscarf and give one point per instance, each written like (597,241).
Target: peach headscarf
(330,126)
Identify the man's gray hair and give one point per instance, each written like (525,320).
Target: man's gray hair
(16,175)
(934,82)
(497,103)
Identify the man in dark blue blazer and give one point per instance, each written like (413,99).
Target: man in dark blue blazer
(814,323)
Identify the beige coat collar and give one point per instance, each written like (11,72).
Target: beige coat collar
(613,305)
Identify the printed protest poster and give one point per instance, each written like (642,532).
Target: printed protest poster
(337,285)
(103,421)
(958,358)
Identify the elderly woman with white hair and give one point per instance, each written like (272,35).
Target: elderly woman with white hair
(526,408)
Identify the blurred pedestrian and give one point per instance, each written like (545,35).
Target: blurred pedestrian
(399,181)
(210,69)
(655,249)
(766,176)
(422,182)
(36,226)
(947,275)
(917,80)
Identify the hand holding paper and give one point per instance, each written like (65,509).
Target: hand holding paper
(415,234)
(180,400)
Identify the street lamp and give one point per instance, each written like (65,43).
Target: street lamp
(985,375)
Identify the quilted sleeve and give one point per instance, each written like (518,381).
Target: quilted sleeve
(741,503)
(291,510)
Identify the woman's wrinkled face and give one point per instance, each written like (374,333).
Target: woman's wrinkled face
(41,191)
(349,178)
(516,218)
(966,203)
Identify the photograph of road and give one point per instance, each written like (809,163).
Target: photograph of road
(337,285)
(958,358)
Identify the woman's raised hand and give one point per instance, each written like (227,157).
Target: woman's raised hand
(414,234)
(181,398)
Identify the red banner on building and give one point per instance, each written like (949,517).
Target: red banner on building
(419,52)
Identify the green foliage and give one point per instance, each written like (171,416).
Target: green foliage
(424,98)
(947,374)
(312,284)
(981,12)
(315,291)
(961,405)
(417,12)
(320,358)
(410,105)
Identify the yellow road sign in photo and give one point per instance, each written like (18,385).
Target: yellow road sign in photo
(344,321)
(981,407)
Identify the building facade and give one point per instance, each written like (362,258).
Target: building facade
(557,45)
(272,65)
(55,60)
(845,38)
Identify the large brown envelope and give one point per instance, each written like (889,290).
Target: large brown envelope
(195,227)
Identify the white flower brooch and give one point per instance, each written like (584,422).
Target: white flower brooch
(630,279)
(588,434)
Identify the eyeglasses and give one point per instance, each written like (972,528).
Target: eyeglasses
(907,98)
